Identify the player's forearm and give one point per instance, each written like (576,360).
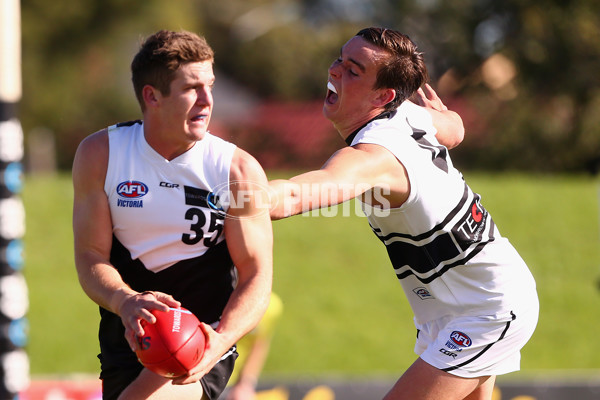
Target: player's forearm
(102,283)
(302,194)
(250,244)
(285,199)
(450,128)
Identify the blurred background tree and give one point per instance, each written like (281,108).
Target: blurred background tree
(523,74)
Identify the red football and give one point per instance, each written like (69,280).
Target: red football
(173,345)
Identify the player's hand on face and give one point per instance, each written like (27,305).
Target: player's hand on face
(215,347)
(428,98)
(137,307)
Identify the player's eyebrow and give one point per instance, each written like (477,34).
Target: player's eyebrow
(359,65)
(353,61)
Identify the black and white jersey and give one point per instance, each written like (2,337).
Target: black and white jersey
(444,246)
(168,219)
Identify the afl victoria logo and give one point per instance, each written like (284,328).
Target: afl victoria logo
(460,339)
(132,189)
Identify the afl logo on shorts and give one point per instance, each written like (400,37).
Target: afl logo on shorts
(423,293)
(132,189)
(460,339)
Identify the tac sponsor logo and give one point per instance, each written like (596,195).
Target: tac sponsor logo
(472,225)
(460,339)
(423,293)
(132,189)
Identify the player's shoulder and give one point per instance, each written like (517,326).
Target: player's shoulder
(245,166)
(91,158)
(94,145)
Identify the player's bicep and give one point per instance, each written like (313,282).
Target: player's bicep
(248,229)
(92,229)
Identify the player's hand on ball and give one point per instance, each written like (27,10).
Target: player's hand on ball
(173,345)
(135,308)
(216,346)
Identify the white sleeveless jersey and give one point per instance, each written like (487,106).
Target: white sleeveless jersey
(166,211)
(444,246)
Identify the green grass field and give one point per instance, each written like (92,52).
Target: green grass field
(345,313)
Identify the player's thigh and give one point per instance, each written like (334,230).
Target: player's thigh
(150,386)
(424,382)
(485,391)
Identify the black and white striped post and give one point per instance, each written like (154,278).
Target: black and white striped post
(14,301)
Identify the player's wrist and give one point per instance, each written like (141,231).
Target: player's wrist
(118,299)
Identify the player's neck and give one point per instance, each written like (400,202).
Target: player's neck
(166,143)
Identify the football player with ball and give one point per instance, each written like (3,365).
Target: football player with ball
(179,270)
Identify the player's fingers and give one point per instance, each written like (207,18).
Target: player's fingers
(146,315)
(140,304)
(207,329)
(167,299)
(430,93)
(420,97)
(160,301)
(131,338)
(187,379)
(434,98)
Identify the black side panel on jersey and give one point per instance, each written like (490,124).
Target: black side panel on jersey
(420,255)
(130,123)
(203,285)
(439,154)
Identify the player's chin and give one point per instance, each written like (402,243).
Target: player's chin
(329,111)
(196,132)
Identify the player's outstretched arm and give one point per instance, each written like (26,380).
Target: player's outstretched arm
(249,237)
(449,125)
(337,181)
(348,173)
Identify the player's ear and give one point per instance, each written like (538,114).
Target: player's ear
(151,95)
(384,96)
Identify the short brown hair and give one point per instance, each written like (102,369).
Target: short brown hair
(162,54)
(404,71)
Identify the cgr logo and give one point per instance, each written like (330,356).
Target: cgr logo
(460,339)
(132,189)
(169,185)
(448,353)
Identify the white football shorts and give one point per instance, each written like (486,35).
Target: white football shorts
(470,347)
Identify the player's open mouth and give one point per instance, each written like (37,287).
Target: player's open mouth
(199,118)
(332,95)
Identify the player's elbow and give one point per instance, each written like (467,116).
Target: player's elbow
(285,199)
(458,137)
(458,131)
